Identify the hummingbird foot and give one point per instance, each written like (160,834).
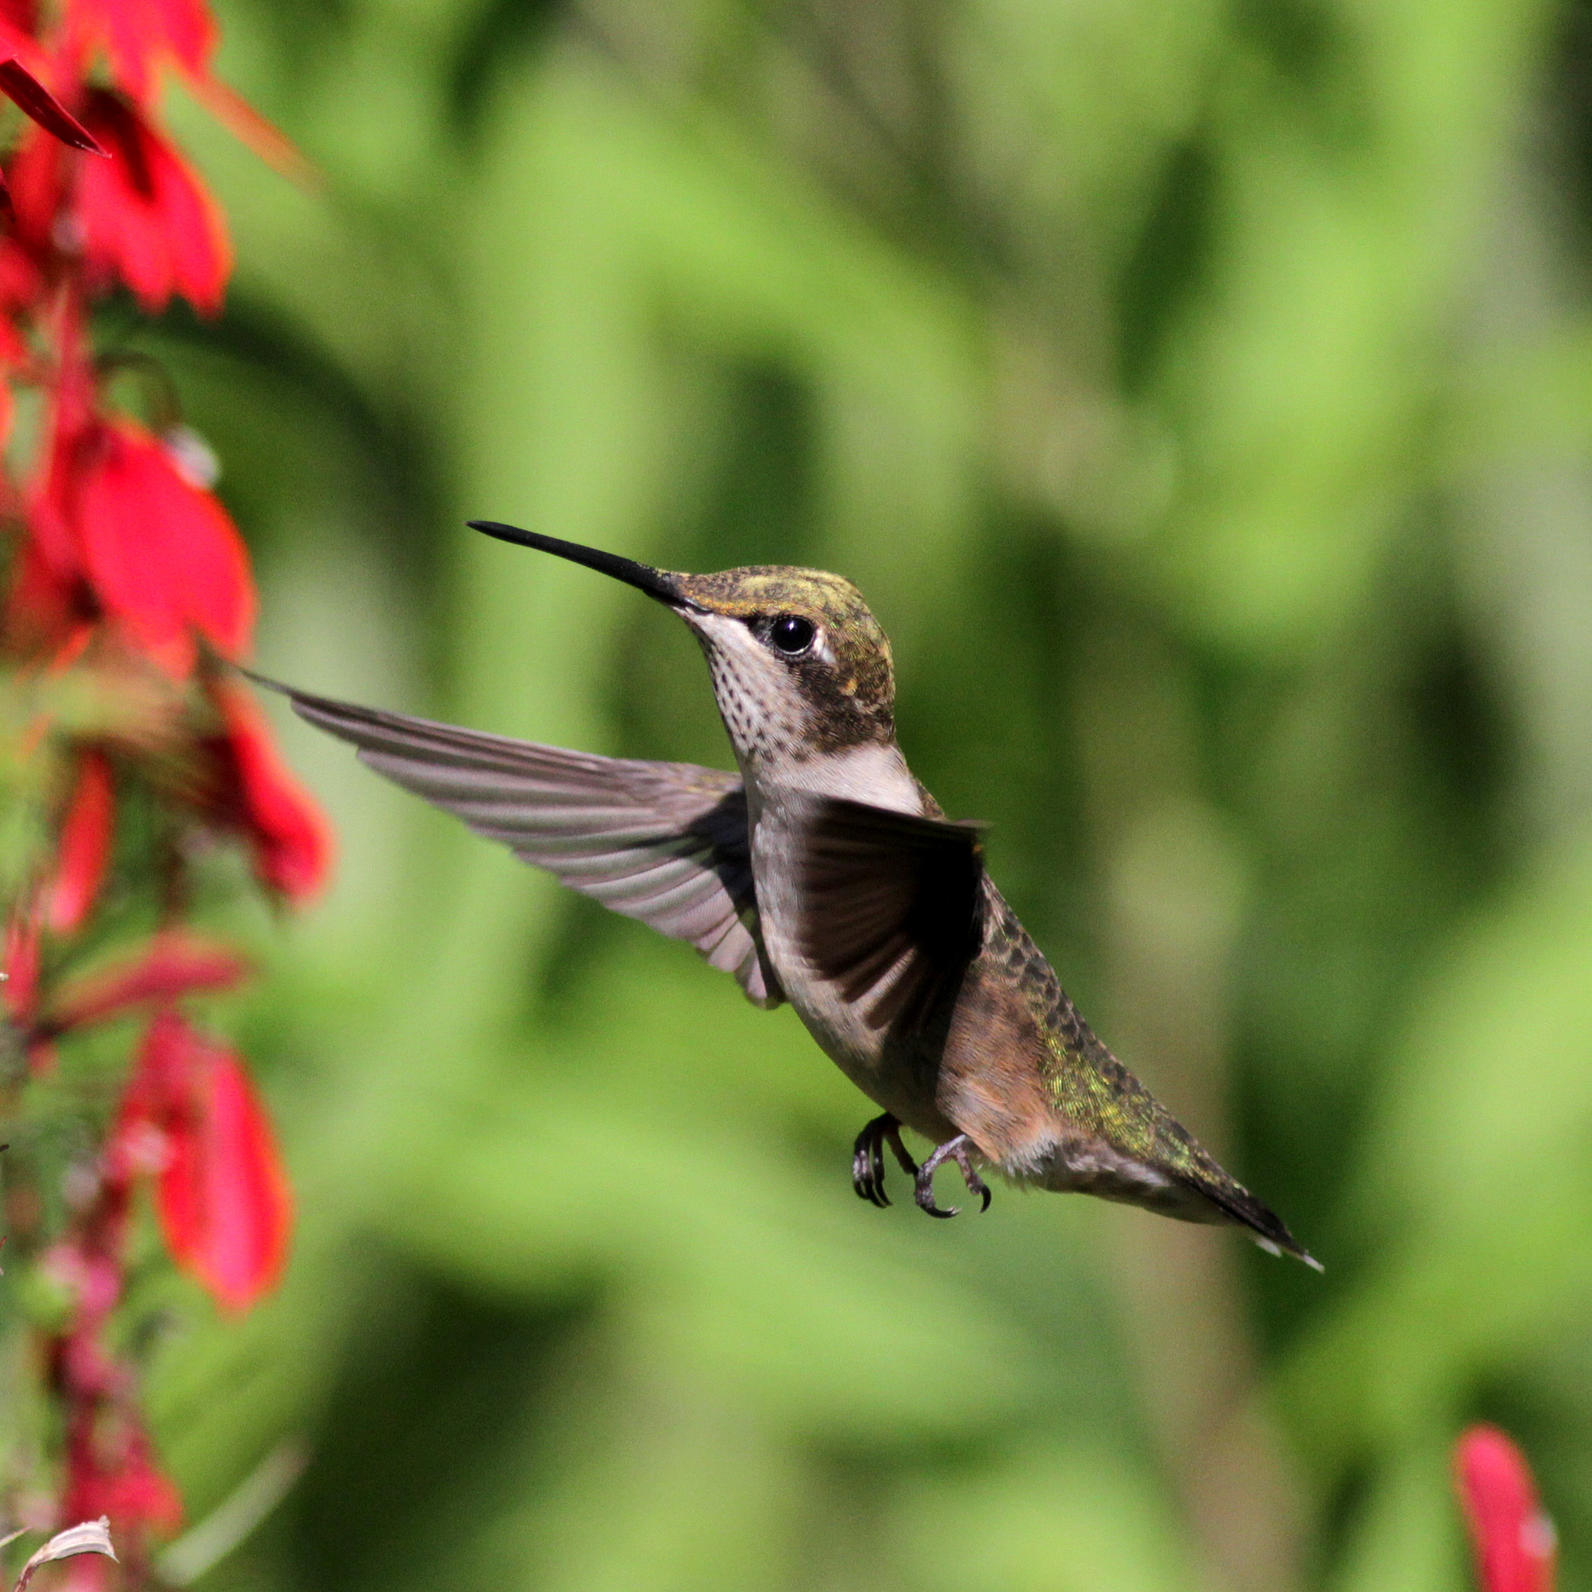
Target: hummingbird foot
(867,1159)
(952,1150)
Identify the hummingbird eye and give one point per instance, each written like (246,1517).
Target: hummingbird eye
(792,634)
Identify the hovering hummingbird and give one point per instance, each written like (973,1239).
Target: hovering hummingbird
(825,875)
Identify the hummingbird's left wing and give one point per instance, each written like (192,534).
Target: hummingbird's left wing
(890,906)
(663,842)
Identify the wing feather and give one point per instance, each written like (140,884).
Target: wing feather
(665,843)
(890,905)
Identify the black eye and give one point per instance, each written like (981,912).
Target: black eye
(792,634)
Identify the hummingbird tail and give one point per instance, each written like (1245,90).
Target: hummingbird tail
(1268,1229)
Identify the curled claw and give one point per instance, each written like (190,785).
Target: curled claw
(956,1150)
(867,1167)
(867,1159)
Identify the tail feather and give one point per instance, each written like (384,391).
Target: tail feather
(1266,1227)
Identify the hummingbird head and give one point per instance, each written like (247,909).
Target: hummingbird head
(800,667)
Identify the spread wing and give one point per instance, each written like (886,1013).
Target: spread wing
(890,906)
(663,842)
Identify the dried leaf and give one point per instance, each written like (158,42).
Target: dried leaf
(92,1536)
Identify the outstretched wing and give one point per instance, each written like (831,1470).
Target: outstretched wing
(890,907)
(663,842)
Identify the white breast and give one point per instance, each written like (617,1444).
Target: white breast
(875,774)
(879,776)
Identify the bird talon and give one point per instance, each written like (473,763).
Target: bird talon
(952,1150)
(867,1159)
(867,1188)
(925,1196)
(867,1166)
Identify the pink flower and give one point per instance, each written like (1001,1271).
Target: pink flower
(1512,1536)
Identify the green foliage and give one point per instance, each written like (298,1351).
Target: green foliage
(1200,396)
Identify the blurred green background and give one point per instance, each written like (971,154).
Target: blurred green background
(1201,394)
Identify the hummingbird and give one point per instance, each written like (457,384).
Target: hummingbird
(822,873)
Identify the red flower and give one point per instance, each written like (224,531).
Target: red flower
(85,847)
(118,519)
(175,963)
(19,20)
(111,1470)
(143,216)
(19,84)
(121,567)
(222,1194)
(20,990)
(1513,1537)
(255,793)
(34,177)
(139,34)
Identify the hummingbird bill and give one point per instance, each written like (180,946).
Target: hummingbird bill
(823,874)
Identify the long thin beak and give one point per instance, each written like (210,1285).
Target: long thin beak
(657,583)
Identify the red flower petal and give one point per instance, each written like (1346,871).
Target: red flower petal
(85,847)
(160,551)
(176,963)
(19,20)
(139,34)
(291,841)
(1513,1537)
(159,554)
(20,989)
(223,1197)
(144,216)
(20,283)
(111,1470)
(42,607)
(36,176)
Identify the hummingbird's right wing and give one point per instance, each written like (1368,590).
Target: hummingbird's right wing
(663,842)
(890,907)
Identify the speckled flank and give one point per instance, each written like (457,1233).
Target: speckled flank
(1124,1136)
